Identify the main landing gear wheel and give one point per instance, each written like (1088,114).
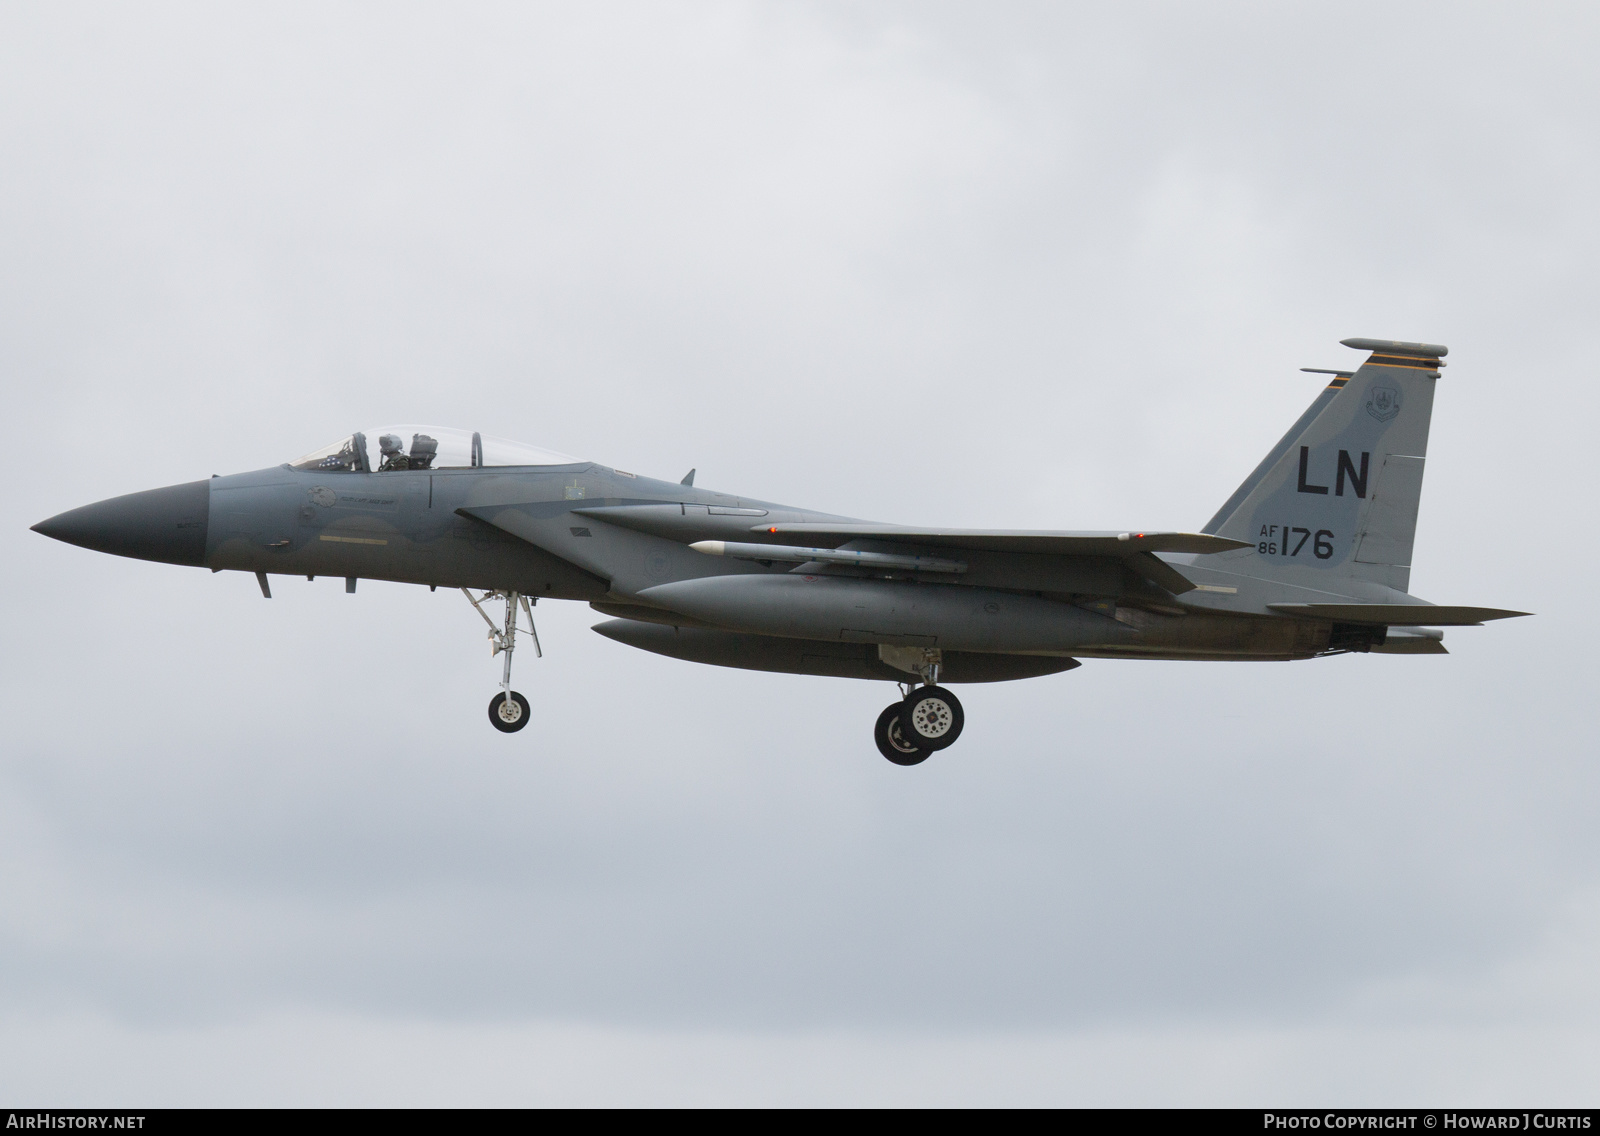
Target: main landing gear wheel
(509,714)
(892,743)
(931,718)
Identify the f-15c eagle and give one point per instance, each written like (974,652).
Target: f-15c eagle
(1310,556)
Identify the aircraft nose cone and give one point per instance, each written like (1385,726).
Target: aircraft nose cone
(159,524)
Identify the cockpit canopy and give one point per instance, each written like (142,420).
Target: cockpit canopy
(424,447)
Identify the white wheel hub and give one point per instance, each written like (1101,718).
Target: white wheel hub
(931,718)
(510,710)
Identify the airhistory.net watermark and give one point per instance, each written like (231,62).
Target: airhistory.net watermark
(55,1120)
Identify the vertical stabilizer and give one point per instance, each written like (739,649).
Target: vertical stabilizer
(1339,493)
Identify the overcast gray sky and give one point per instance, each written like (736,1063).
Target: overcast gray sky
(1029,265)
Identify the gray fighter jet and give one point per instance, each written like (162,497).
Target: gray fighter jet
(1309,557)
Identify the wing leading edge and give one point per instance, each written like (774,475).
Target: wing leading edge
(1042,542)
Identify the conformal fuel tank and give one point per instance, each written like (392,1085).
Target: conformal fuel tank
(949,616)
(810,657)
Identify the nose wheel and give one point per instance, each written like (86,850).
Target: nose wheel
(508,711)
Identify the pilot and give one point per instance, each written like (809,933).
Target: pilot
(394,453)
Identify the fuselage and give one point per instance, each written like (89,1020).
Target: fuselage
(587,532)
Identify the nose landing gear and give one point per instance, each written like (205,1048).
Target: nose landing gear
(509,710)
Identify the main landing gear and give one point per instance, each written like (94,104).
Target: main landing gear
(928,718)
(508,710)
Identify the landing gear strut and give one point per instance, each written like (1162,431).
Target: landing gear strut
(508,710)
(928,718)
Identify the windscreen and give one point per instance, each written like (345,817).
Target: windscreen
(347,455)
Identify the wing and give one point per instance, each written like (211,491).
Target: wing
(719,523)
(1133,549)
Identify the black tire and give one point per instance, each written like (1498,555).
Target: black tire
(522,711)
(932,717)
(890,743)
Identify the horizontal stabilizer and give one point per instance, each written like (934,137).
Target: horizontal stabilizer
(1396,615)
(1039,542)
